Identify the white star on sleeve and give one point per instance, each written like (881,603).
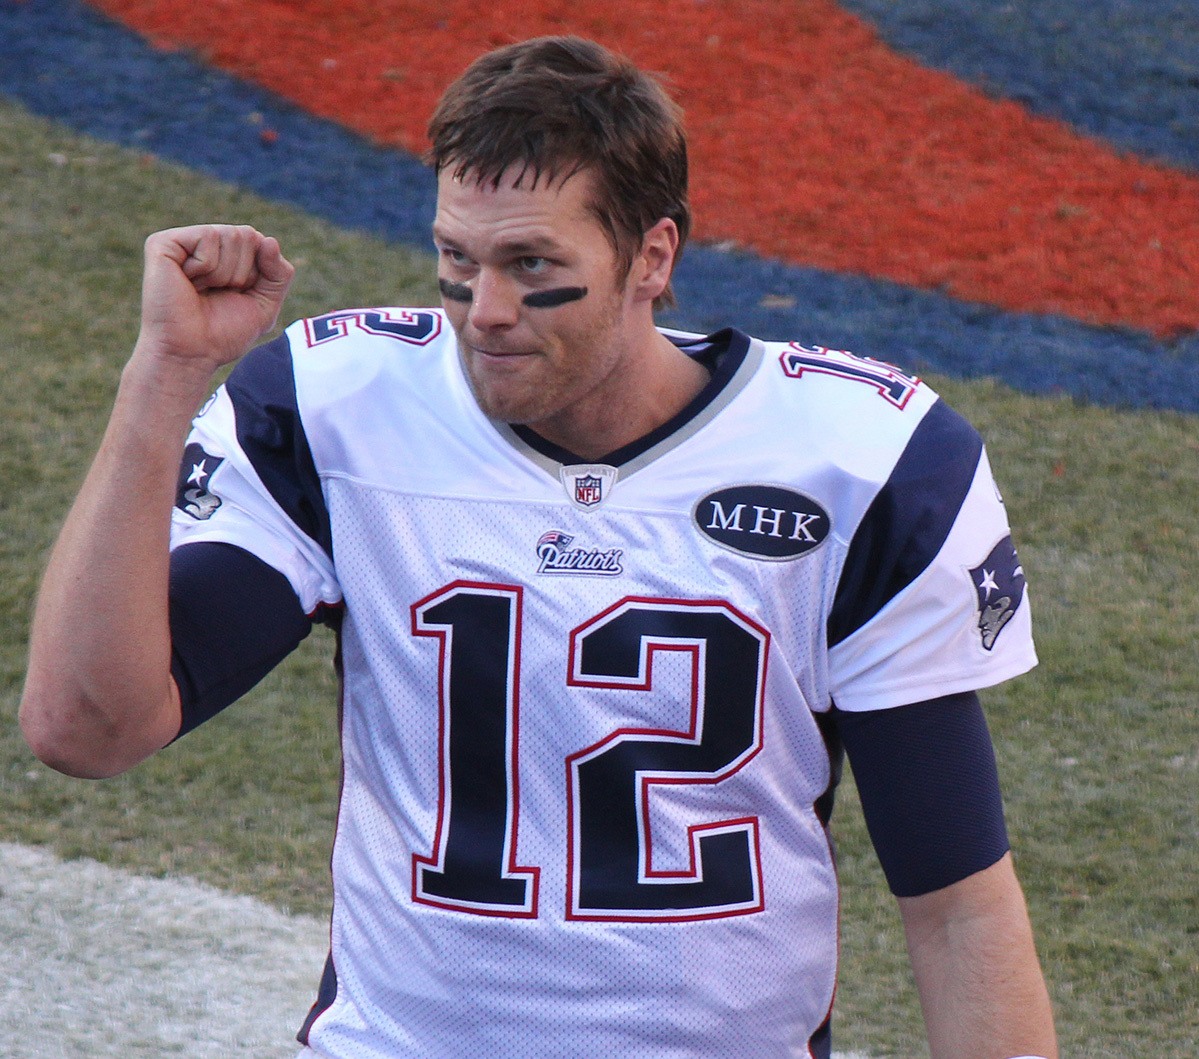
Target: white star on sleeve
(988,583)
(199,473)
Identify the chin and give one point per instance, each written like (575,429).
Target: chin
(508,408)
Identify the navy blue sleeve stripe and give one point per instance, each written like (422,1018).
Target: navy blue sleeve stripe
(929,787)
(908,521)
(233,619)
(270,432)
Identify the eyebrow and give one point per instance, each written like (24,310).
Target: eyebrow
(530,247)
(535,246)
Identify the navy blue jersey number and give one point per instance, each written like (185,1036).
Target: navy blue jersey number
(472,867)
(611,857)
(412,326)
(613,874)
(888,380)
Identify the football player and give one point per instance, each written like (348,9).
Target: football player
(612,602)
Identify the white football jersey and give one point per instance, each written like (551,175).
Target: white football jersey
(582,760)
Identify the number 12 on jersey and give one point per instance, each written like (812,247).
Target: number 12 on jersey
(610,859)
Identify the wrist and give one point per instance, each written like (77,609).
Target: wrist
(156,401)
(162,377)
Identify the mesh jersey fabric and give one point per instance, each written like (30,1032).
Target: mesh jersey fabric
(582,757)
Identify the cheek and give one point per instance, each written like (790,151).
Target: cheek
(583,348)
(456,314)
(591,320)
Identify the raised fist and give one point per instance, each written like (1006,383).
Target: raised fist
(210,291)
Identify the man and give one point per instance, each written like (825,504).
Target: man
(610,601)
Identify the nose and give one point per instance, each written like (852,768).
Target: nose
(496,302)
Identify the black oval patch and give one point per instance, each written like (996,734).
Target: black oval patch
(765,521)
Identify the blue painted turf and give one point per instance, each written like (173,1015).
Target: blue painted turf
(1126,71)
(62,60)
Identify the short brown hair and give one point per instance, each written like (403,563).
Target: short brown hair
(554,106)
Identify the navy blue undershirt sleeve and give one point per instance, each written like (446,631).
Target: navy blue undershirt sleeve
(233,619)
(929,787)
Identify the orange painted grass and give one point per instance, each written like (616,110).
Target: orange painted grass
(812,141)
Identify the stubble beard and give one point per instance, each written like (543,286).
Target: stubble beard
(506,400)
(543,386)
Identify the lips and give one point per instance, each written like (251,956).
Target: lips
(500,354)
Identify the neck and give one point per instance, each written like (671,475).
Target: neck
(665,382)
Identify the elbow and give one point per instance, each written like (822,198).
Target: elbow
(81,740)
(59,746)
(69,762)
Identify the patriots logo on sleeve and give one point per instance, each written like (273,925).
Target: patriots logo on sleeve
(999,584)
(192,495)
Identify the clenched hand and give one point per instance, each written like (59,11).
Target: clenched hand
(209,292)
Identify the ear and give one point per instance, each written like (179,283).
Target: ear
(654,263)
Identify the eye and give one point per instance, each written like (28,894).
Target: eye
(533,266)
(455,256)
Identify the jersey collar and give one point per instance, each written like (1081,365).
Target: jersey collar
(732,358)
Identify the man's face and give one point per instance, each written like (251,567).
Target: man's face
(529,282)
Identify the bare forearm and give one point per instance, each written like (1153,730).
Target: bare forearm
(99,696)
(976,969)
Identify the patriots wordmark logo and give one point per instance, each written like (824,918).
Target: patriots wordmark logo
(556,556)
(588,485)
(763,521)
(999,584)
(192,495)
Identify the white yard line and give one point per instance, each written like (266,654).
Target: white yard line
(100,964)
(96,963)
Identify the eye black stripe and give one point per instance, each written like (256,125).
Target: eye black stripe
(455,292)
(547,299)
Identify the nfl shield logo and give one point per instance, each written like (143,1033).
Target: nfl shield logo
(588,490)
(588,484)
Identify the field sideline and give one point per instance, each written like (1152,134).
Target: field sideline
(103,963)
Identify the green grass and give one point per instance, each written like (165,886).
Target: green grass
(1098,747)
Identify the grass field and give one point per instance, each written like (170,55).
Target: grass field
(1098,748)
